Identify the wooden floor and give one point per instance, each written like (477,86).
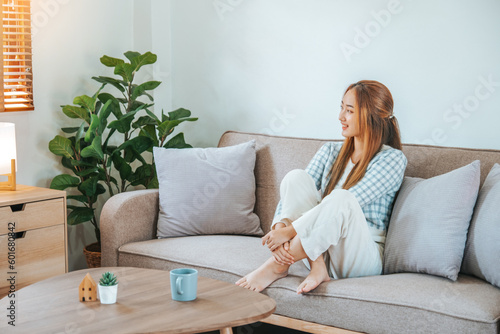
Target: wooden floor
(261,328)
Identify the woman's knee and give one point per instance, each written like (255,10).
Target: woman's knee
(340,197)
(297,177)
(295,174)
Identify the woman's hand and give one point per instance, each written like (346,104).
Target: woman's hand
(282,254)
(278,237)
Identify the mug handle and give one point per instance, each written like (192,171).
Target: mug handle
(178,284)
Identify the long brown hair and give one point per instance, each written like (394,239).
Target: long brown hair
(378,126)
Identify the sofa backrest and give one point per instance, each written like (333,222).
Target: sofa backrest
(276,156)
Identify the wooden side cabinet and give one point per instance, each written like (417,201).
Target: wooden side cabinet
(33,236)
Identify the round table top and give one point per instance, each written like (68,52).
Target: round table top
(144,305)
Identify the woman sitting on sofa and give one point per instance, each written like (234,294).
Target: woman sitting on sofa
(334,214)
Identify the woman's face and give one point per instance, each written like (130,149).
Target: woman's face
(349,114)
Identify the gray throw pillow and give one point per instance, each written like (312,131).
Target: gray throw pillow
(207,191)
(482,252)
(428,227)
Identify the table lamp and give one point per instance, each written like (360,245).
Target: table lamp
(8,155)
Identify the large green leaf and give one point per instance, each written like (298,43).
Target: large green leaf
(138,105)
(80,215)
(70,130)
(66,162)
(126,71)
(86,102)
(131,55)
(130,155)
(122,166)
(115,104)
(61,146)
(150,131)
(87,172)
(89,186)
(139,90)
(94,150)
(76,112)
(92,131)
(173,119)
(139,144)
(177,142)
(80,133)
(110,61)
(103,117)
(112,81)
(144,59)
(105,146)
(143,121)
(153,116)
(63,181)
(122,125)
(141,176)
(179,113)
(153,183)
(165,128)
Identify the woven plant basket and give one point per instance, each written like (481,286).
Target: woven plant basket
(92,254)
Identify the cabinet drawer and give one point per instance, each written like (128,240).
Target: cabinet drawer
(32,215)
(39,254)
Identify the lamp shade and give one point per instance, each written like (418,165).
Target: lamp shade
(7,146)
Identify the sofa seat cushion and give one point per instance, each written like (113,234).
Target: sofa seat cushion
(394,303)
(224,257)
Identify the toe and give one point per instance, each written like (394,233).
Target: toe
(300,289)
(241,281)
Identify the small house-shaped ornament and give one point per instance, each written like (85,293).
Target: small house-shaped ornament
(87,291)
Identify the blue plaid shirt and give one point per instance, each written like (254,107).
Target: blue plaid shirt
(375,192)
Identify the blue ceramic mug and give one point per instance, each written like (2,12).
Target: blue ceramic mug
(184,284)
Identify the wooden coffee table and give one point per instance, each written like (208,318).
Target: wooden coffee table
(144,305)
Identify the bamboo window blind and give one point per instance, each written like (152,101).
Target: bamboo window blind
(17,94)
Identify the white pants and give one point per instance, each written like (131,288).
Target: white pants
(335,226)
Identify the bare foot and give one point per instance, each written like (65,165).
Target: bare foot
(262,277)
(318,275)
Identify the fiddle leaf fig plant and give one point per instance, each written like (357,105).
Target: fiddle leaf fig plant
(109,147)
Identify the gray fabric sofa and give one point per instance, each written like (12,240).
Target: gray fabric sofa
(396,303)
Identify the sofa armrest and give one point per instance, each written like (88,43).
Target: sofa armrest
(127,217)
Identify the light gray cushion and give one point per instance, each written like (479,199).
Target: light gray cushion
(428,227)
(207,191)
(482,252)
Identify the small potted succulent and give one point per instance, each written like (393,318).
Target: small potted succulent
(108,288)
